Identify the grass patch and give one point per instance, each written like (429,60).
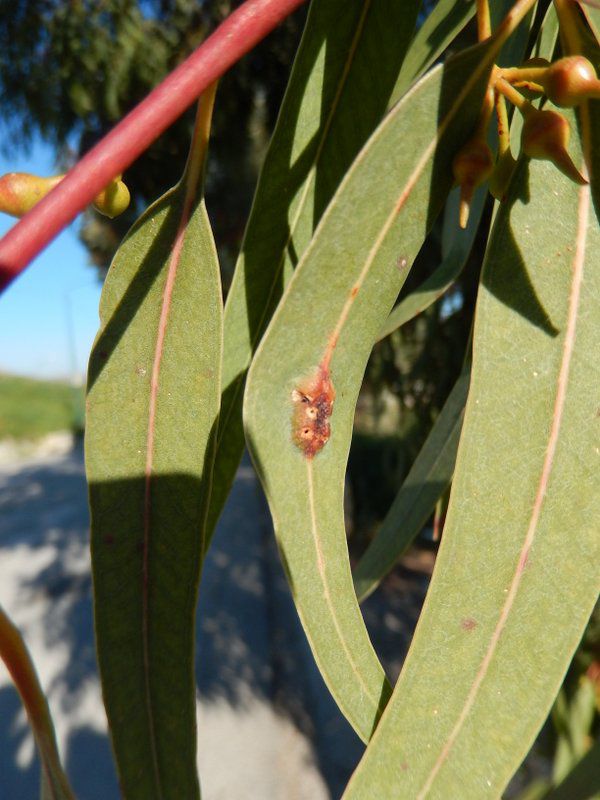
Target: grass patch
(29,408)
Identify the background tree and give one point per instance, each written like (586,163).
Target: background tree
(70,71)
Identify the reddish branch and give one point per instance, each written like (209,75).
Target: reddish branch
(238,34)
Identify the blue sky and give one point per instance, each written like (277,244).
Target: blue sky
(49,315)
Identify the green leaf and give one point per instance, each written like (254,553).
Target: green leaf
(153,402)
(444,22)
(536,790)
(592,14)
(546,40)
(573,719)
(455,256)
(582,715)
(14,653)
(339,89)
(447,272)
(514,48)
(516,576)
(323,331)
(583,781)
(427,480)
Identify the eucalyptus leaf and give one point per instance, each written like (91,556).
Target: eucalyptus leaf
(152,409)
(516,45)
(427,480)
(322,332)
(535,790)
(454,259)
(14,653)
(591,11)
(443,23)
(516,576)
(340,86)
(444,275)
(583,781)
(545,44)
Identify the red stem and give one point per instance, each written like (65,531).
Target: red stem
(238,34)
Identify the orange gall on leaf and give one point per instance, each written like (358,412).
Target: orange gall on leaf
(313,406)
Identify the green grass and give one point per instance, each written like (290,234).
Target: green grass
(30,409)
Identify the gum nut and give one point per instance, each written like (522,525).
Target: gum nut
(543,133)
(114,200)
(473,163)
(21,191)
(502,175)
(570,80)
(546,136)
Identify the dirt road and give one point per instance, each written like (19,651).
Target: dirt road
(268,729)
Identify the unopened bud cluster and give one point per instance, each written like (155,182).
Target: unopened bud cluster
(567,83)
(21,191)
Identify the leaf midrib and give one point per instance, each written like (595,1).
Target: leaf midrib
(327,596)
(307,183)
(557,416)
(174,262)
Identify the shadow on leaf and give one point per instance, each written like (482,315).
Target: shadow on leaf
(511,283)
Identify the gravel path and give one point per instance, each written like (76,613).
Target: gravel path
(268,729)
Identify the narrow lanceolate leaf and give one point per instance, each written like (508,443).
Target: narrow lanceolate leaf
(153,400)
(517,572)
(340,86)
(415,502)
(14,653)
(444,22)
(591,9)
(547,37)
(583,781)
(445,274)
(305,377)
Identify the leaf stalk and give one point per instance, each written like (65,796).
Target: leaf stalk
(484,24)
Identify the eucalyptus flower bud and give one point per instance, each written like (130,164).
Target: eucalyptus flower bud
(502,175)
(113,200)
(472,166)
(571,80)
(20,191)
(546,136)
